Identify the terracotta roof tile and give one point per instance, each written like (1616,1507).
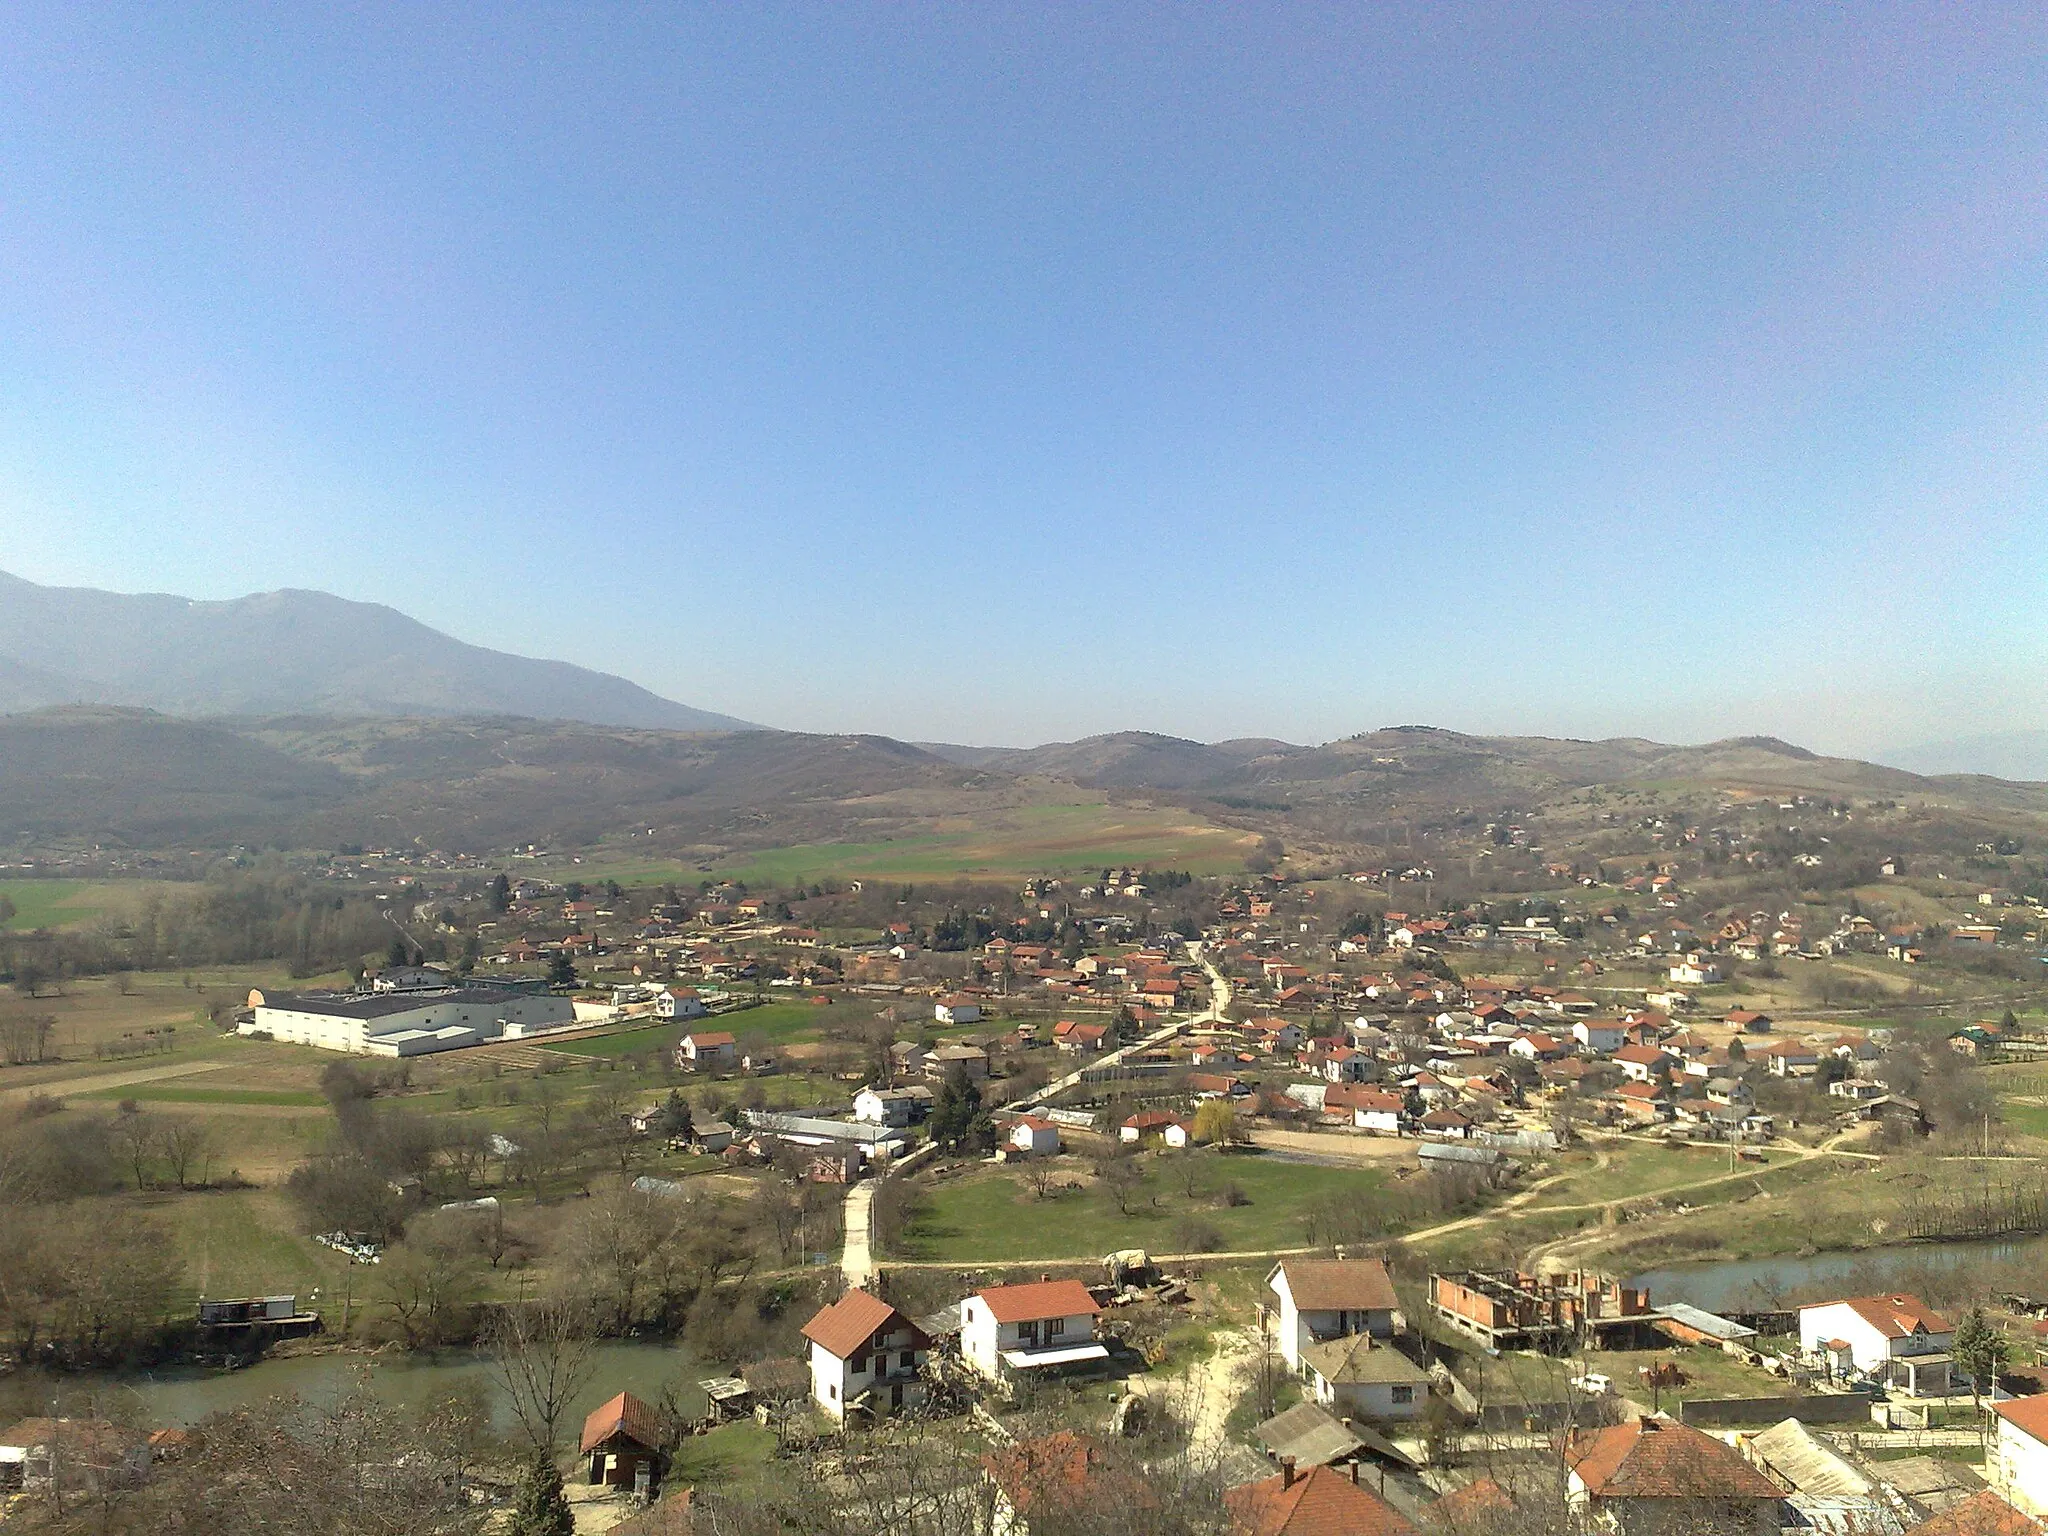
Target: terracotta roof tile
(845,1327)
(1319,1502)
(1039,1299)
(624,1414)
(1981,1514)
(1662,1459)
(2029,1415)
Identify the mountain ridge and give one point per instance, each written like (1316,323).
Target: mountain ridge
(293,650)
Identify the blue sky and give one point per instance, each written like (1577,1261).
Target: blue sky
(1005,374)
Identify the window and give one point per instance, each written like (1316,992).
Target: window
(1055,1327)
(909,1359)
(832,1390)
(1404,1394)
(1027,1335)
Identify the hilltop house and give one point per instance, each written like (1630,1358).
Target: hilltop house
(1358,1377)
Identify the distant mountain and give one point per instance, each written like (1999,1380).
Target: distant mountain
(1417,764)
(1129,760)
(289,652)
(2003,754)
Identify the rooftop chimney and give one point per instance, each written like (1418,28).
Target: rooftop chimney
(1286,1471)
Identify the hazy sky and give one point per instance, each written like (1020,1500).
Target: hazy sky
(1001,374)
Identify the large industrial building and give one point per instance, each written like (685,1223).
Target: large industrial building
(405,1023)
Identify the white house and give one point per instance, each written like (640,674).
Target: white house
(1374,1109)
(1643,1063)
(678,1003)
(957,1010)
(863,1348)
(1356,1377)
(2019,1466)
(1033,1136)
(1323,1299)
(707,1050)
(1698,971)
(892,1106)
(1045,1324)
(1897,1340)
(1600,1036)
(1170,1129)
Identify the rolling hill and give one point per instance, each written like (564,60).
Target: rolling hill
(135,778)
(290,652)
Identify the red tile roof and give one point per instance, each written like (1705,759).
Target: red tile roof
(1897,1317)
(1981,1514)
(1038,1300)
(1319,1502)
(1053,1472)
(623,1415)
(845,1327)
(1663,1459)
(2029,1415)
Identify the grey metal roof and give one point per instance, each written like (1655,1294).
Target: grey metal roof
(1703,1321)
(1311,1435)
(379,1005)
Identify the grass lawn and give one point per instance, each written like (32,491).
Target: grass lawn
(993,1217)
(242,1242)
(733,1456)
(1624,1170)
(174,1092)
(775,1023)
(61,903)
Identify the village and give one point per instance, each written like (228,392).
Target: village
(1335,1390)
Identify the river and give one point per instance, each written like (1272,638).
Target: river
(1768,1284)
(185,1395)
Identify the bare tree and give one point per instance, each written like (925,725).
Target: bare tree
(183,1142)
(540,1355)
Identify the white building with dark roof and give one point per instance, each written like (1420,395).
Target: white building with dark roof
(404,1023)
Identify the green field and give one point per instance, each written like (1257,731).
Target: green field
(176,1093)
(60,903)
(242,1243)
(995,1218)
(775,1023)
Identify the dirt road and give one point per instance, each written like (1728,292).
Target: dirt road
(59,1087)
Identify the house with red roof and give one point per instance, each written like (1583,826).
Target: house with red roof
(1031,1136)
(1045,1325)
(1171,1129)
(864,1355)
(623,1439)
(2018,1466)
(1319,1502)
(1657,1475)
(1898,1340)
(1983,1513)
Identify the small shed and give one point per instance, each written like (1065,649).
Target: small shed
(623,1440)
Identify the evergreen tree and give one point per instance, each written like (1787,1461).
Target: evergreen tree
(561,970)
(543,1508)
